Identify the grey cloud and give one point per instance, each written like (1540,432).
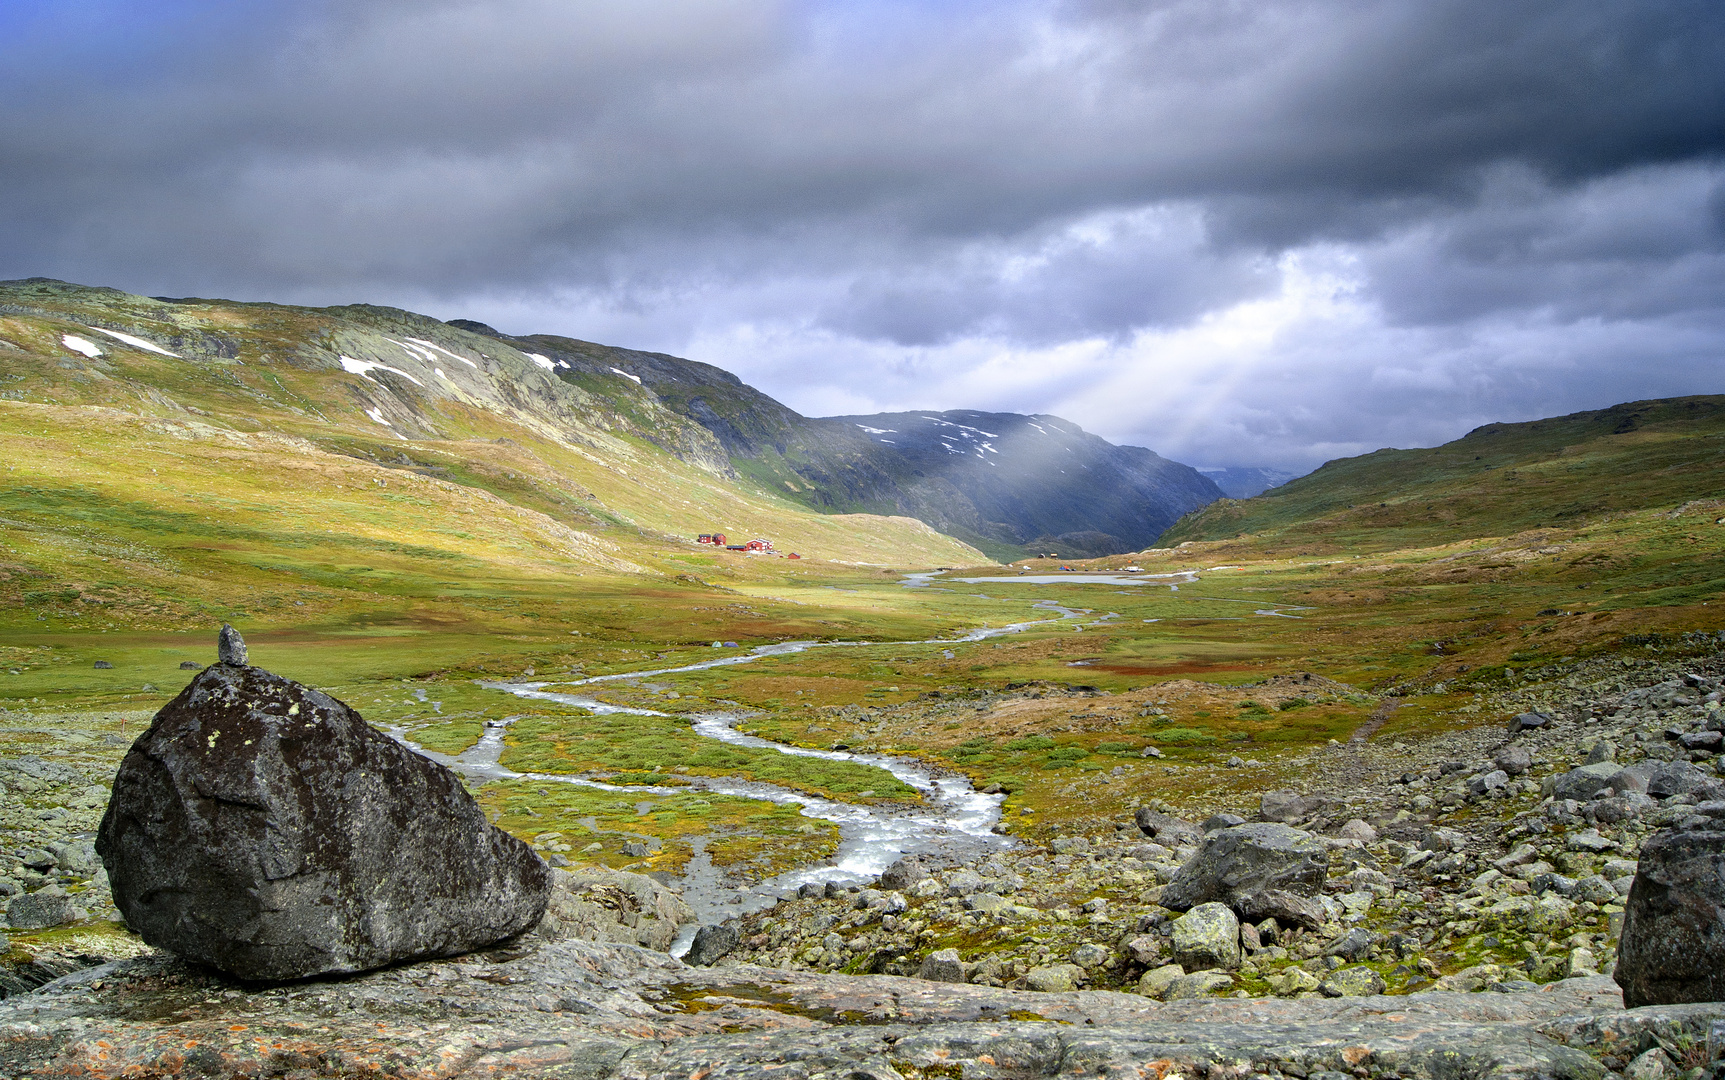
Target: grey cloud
(919,186)
(1640,245)
(586,127)
(1105,276)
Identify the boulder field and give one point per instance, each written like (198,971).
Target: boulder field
(1499,857)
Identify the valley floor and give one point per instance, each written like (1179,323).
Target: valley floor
(1447,877)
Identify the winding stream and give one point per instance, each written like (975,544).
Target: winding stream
(953,818)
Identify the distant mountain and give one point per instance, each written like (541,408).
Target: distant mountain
(1496,480)
(1036,482)
(1241,482)
(1008,484)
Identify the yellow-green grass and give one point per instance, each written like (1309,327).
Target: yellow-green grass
(590,468)
(107,526)
(575,745)
(1498,480)
(761,839)
(1374,623)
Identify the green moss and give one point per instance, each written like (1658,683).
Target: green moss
(761,838)
(1181,736)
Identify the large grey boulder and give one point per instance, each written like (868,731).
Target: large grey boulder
(1353,982)
(1236,866)
(1054,978)
(1631,804)
(41,910)
(264,829)
(1528,721)
(1513,760)
(1682,778)
(942,965)
(1634,778)
(1580,784)
(903,874)
(1673,945)
(1288,909)
(1199,984)
(1290,806)
(1166,828)
(712,943)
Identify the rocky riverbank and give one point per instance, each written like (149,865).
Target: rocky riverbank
(1484,858)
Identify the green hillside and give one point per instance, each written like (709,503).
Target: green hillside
(1497,480)
(167,463)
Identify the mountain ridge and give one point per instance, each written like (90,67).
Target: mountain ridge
(1498,479)
(499,434)
(1005,464)
(832,464)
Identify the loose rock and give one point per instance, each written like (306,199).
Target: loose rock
(903,874)
(942,965)
(1054,978)
(711,944)
(231,647)
(1352,982)
(38,911)
(1208,936)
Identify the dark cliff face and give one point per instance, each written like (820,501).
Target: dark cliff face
(1007,483)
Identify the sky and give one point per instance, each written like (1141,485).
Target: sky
(1238,232)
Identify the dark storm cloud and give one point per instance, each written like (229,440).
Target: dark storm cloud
(1642,244)
(936,190)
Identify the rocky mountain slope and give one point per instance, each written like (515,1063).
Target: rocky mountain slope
(1006,483)
(1243,482)
(353,380)
(1496,480)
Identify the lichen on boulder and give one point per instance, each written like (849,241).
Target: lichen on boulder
(1673,945)
(263,828)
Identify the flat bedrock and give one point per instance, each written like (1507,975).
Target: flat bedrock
(594,1009)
